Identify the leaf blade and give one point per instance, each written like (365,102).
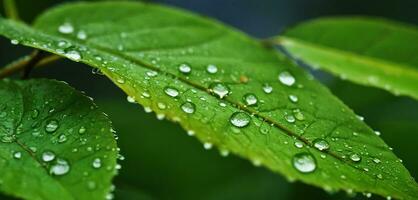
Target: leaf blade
(43,154)
(151,69)
(349,47)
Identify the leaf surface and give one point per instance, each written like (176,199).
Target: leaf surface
(224,88)
(54,142)
(367,51)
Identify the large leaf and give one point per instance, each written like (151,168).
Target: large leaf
(55,143)
(368,51)
(226,89)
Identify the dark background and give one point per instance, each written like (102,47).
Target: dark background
(163,163)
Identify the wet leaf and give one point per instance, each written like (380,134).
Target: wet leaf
(43,153)
(224,88)
(367,51)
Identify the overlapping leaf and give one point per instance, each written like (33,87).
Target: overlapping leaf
(54,143)
(226,89)
(368,51)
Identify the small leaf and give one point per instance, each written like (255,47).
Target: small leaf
(43,152)
(367,51)
(224,88)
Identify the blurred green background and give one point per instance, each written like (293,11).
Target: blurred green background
(162,162)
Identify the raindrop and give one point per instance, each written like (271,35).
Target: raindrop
(130,99)
(51,126)
(121,81)
(62,138)
(240,119)
(161,106)
(17,154)
(97,163)
(170,91)
(379,176)
(289,118)
(298,144)
(82,35)
(73,55)
(14,42)
(82,130)
(377,133)
(152,73)
(376,160)
(286,78)
(185,68)
(48,156)
(188,107)
(207,145)
(250,99)
(220,90)
(267,88)
(321,144)
(293,98)
(212,69)
(304,162)
(66,28)
(355,157)
(61,167)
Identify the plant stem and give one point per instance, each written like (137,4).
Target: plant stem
(27,63)
(11,9)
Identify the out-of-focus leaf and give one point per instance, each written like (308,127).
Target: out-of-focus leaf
(368,51)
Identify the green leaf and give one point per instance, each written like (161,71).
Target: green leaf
(54,142)
(224,88)
(367,51)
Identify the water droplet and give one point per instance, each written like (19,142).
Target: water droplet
(82,35)
(73,55)
(267,88)
(219,89)
(185,68)
(304,162)
(298,144)
(190,133)
(62,138)
(82,130)
(161,106)
(170,91)
(212,69)
(51,126)
(298,115)
(224,152)
(376,160)
(355,157)
(130,99)
(379,176)
(188,107)
(207,145)
(48,156)
(14,42)
(152,73)
(121,81)
(289,118)
(240,119)
(377,133)
(61,167)
(250,99)
(286,78)
(17,154)
(97,163)
(66,28)
(293,98)
(321,144)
